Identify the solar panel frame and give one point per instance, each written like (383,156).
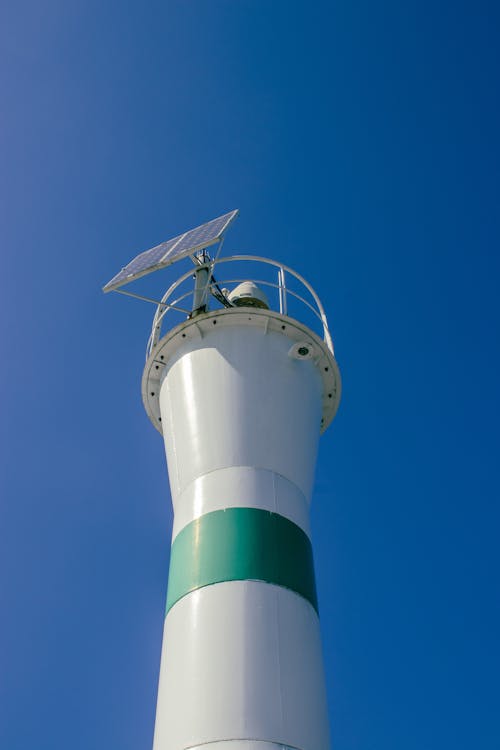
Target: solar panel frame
(170,251)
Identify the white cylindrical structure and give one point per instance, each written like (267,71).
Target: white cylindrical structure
(241,396)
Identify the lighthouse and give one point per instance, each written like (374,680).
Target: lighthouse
(240,390)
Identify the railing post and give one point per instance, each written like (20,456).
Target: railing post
(282,291)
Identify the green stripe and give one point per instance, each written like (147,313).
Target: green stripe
(239,544)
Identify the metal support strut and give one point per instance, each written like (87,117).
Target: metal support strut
(202,281)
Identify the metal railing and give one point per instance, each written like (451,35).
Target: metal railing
(170,303)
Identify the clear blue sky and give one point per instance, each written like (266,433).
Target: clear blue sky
(360,142)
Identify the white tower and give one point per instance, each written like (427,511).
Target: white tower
(241,393)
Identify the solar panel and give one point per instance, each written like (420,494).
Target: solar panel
(172,250)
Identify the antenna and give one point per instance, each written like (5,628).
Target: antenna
(241,394)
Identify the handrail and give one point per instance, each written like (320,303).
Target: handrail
(283,291)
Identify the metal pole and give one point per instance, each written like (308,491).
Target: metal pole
(202,278)
(282,290)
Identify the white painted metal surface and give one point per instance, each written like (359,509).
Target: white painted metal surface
(235,398)
(241,487)
(241,662)
(191,332)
